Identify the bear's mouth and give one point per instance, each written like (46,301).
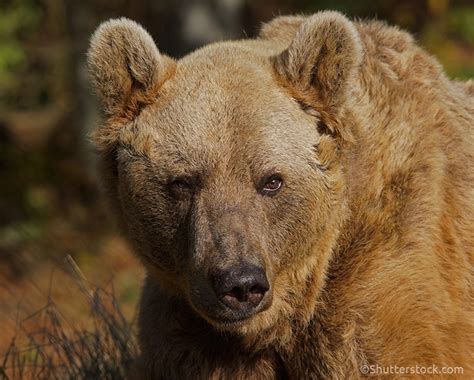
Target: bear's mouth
(226,319)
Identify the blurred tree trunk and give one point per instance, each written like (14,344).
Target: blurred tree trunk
(80,20)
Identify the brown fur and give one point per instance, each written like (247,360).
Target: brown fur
(368,247)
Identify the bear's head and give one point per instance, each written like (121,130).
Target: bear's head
(226,167)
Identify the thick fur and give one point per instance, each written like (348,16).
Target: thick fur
(368,246)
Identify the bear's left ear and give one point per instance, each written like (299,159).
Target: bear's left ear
(321,60)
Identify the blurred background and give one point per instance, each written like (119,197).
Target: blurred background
(50,200)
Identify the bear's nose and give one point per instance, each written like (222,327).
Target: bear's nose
(241,287)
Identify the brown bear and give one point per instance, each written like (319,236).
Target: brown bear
(303,202)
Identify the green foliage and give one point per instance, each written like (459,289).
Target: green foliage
(11,57)
(17,18)
(461,23)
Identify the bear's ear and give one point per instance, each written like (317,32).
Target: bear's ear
(321,60)
(282,28)
(125,64)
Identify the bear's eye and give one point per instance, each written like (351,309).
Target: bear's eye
(180,185)
(271,185)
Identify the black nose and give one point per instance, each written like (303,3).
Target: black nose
(241,287)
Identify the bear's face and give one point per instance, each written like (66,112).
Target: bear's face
(223,174)
(224,183)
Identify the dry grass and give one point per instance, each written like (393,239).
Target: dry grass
(60,350)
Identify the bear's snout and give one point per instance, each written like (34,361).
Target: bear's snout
(241,287)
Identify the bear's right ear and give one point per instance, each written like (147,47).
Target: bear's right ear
(125,65)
